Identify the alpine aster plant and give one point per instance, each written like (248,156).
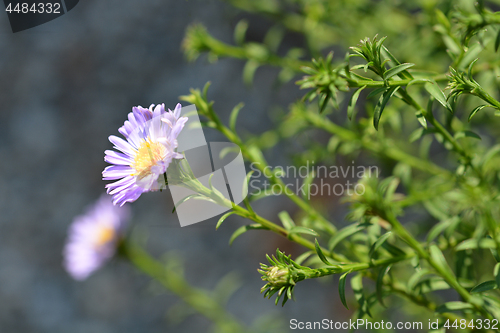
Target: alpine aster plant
(93,237)
(151,139)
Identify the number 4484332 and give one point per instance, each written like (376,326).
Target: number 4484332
(40,8)
(473,323)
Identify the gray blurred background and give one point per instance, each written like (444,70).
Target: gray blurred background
(66,86)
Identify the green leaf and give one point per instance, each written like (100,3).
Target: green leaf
(432,284)
(476,110)
(300,259)
(415,278)
(357,287)
(415,81)
(286,220)
(438,258)
(393,250)
(380,282)
(417,134)
(468,134)
(471,65)
(396,70)
(352,102)
(323,101)
(454,306)
(442,19)
(320,253)
(222,219)
(496,273)
(234,116)
(497,41)
(436,92)
(244,189)
(484,286)
(240,31)
(249,71)
(379,108)
(381,240)
(192,196)
(274,37)
(421,119)
(403,74)
(241,230)
(302,230)
(342,289)
(375,92)
(440,227)
(344,233)
(473,243)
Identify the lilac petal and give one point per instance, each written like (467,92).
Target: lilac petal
(178,127)
(117,158)
(177,110)
(122,145)
(129,183)
(115,172)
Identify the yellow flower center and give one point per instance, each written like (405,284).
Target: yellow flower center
(147,156)
(105,235)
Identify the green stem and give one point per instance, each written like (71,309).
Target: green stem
(195,185)
(388,151)
(226,50)
(443,131)
(256,157)
(422,253)
(171,279)
(320,272)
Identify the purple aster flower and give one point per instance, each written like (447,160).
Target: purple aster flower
(151,140)
(93,237)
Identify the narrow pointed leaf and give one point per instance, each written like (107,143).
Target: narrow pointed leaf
(302,230)
(381,240)
(497,41)
(438,257)
(476,110)
(496,273)
(241,230)
(421,119)
(437,93)
(343,234)
(403,74)
(380,283)
(249,71)
(192,196)
(484,286)
(440,227)
(320,253)
(471,65)
(240,31)
(415,278)
(375,92)
(453,306)
(473,243)
(286,220)
(379,108)
(234,116)
(417,81)
(393,250)
(352,102)
(342,289)
(396,70)
(222,219)
(357,287)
